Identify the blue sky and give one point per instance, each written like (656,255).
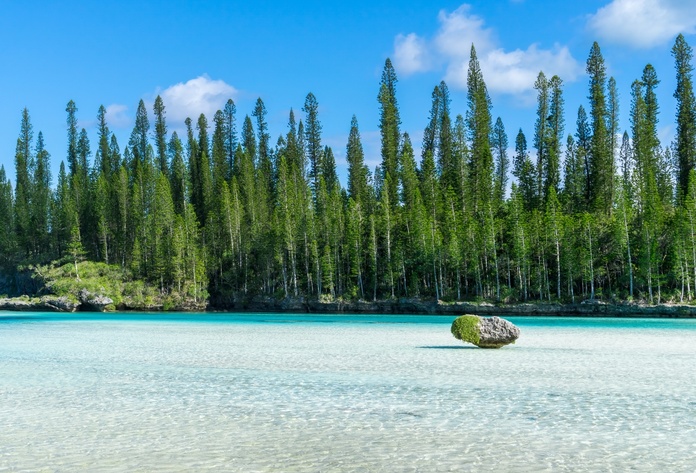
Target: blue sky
(199,54)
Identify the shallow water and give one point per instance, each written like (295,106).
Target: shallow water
(240,392)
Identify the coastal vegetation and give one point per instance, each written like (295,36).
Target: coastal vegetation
(222,215)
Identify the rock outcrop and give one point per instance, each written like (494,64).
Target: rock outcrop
(485,332)
(94,302)
(59,304)
(18,304)
(44,304)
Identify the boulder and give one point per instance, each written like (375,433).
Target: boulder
(485,332)
(94,302)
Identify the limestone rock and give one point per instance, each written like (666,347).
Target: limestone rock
(485,332)
(18,304)
(94,302)
(45,304)
(59,304)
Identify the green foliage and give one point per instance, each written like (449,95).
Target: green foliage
(109,280)
(465,328)
(238,216)
(98,278)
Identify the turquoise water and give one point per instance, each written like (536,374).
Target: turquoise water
(269,392)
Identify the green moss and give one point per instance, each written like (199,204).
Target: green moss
(465,328)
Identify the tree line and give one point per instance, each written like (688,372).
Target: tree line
(228,215)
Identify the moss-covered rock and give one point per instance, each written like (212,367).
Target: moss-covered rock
(488,332)
(465,328)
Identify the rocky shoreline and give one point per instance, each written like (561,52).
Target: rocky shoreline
(95,303)
(416,307)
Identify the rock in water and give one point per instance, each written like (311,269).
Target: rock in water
(94,302)
(485,332)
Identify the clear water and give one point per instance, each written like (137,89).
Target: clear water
(343,393)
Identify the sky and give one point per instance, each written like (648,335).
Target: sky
(197,55)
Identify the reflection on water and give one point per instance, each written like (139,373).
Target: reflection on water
(247,393)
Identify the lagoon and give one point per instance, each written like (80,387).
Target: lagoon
(293,392)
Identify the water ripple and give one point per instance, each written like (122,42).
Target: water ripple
(163,396)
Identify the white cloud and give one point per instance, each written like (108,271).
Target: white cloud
(410,54)
(515,72)
(508,72)
(200,95)
(117,116)
(459,30)
(643,23)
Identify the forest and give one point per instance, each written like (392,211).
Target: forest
(224,215)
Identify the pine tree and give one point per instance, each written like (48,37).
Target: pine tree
(265,165)
(138,142)
(430,134)
(262,135)
(179,178)
(583,150)
(220,160)
(63,213)
(685,140)
(650,83)
(601,159)
(644,110)
(102,159)
(478,118)
(101,213)
(613,123)
(554,220)
(115,154)
(499,142)
(430,192)
(203,140)
(414,219)
(357,171)
(230,131)
(249,140)
(162,232)
(446,158)
(461,159)
(625,216)
(540,133)
(24,161)
(72,137)
(41,198)
(554,135)
(7,230)
(120,210)
(313,136)
(161,135)
(574,177)
(287,218)
(626,158)
(386,225)
(519,245)
(196,170)
(525,172)
(330,175)
(389,122)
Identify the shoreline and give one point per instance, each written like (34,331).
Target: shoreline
(411,307)
(402,307)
